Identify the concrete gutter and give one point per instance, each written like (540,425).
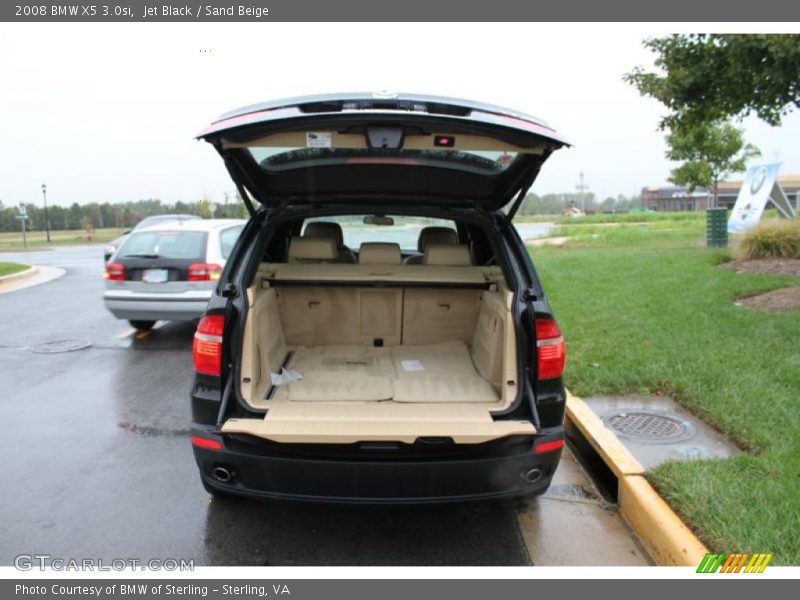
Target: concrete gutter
(667,538)
(19,276)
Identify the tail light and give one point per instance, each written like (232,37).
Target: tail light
(545,447)
(206,443)
(114,272)
(550,351)
(203,272)
(207,345)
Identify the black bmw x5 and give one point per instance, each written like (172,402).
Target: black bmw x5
(379,334)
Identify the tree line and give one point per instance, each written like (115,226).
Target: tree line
(122,215)
(125,215)
(555,204)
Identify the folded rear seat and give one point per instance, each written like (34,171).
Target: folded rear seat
(438,373)
(353,373)
(340,387)
(411,374)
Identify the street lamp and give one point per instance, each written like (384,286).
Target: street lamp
(46,220)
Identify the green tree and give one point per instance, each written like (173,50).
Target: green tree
(609,204)
(704,78)
(708,153)
(204,209)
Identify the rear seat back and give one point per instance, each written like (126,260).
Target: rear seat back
(447,255)
(432,235)
(379,253)
(331,230)
(306,249)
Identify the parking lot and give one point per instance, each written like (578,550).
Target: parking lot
(96,461)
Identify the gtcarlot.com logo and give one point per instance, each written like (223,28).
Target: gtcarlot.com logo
(738,562)
(28,562)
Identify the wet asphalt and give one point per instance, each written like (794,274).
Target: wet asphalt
(95,462)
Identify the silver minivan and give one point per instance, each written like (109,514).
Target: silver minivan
(168,271)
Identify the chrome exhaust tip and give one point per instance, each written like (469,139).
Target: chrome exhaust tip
(532,476)
(222,474)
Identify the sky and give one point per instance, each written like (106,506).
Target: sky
(107,112)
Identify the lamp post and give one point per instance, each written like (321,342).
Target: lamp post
(46,219)
(581,187)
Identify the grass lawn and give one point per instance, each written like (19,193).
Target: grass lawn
(650,308)
(11,241)
(640,217)
(7,268)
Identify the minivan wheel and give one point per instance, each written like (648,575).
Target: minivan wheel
(142,325)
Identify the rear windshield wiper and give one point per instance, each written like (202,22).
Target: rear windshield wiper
(143,255)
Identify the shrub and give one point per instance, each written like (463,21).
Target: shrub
(771,239)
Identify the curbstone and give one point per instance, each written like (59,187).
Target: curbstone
(20,275)
(667,538)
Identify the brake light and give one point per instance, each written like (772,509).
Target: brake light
(206,443)
(203,272)
(550,350)
(114,272)
(207,345)
(545,447)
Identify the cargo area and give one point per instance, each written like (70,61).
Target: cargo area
(384,351)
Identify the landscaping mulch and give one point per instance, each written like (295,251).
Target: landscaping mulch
(780,300)
(766,266)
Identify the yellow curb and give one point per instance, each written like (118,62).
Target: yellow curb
(607,445)
(668,540)
(15,277)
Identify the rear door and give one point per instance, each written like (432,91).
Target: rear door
(416,149)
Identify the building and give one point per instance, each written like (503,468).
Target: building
(675,198)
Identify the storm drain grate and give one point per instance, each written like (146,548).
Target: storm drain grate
(649,426)
(56,346)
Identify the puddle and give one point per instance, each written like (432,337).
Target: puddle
(656,429)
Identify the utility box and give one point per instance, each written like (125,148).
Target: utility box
(717,227)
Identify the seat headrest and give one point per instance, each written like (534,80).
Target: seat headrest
(446,255)
(436,235)
(325,229)
(307,248)
(379,253)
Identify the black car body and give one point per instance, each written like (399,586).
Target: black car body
(430,374)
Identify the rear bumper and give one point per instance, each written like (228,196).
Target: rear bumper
(154,307)
(376,480)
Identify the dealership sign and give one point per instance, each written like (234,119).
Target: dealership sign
(760,186)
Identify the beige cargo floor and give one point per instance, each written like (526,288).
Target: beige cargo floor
(438,373)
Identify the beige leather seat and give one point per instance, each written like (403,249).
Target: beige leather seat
(446,255)
(432,235)
(333,231)
(379,253)
(307,249)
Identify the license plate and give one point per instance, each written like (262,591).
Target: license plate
(155,276)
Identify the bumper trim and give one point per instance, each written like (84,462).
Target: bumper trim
(375,479)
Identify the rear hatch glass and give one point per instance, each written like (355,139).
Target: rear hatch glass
(161,256)
(283,159)
(409,149)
